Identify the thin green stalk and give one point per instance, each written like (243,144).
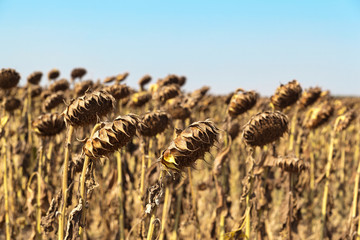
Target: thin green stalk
(65,183)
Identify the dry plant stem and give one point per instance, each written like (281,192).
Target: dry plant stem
(150,151)
(356,184)
(193,198)
(152,219)
(167,201)
(342,158)
(326,188)
(143,170)
(64,183)
(7,219)
(290,205)
(29,117)
(38,197)
(82,186)
(121,206)
(179,194)
(292,130)
(312,165)
(248,204)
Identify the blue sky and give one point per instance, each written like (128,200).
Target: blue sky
(223,44)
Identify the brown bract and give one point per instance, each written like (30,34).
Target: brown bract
(34,78)
(343,121)
(9,78)
(49,124)
(189,145)
(60,85)
(78,73)
(264,128)
(88,108)
(53,74)
(286,95)
(241,102)
(53,101)
(309,96)
(118,91)
(111,137)
(11,104)
(318,115)
(153,123)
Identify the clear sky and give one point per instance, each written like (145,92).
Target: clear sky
(224,44)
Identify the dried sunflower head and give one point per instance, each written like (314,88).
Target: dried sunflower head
(286,95)
(34,78)
(153,123)
(111,137)
(49,124)
(178,110)
(118,91)
(343,122)
(78,73)
(88,108)
(241,102)
(139,99)
(291,164)
(143,81)
(167,92)
(121,77)
(81,87)
(264,128)
(189,145)
(60,85)
(309,96)
(9,78)
(319,115)
(53,74)
(35,91)
(53,101)
(11,104)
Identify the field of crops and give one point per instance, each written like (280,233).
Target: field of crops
(83,159)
